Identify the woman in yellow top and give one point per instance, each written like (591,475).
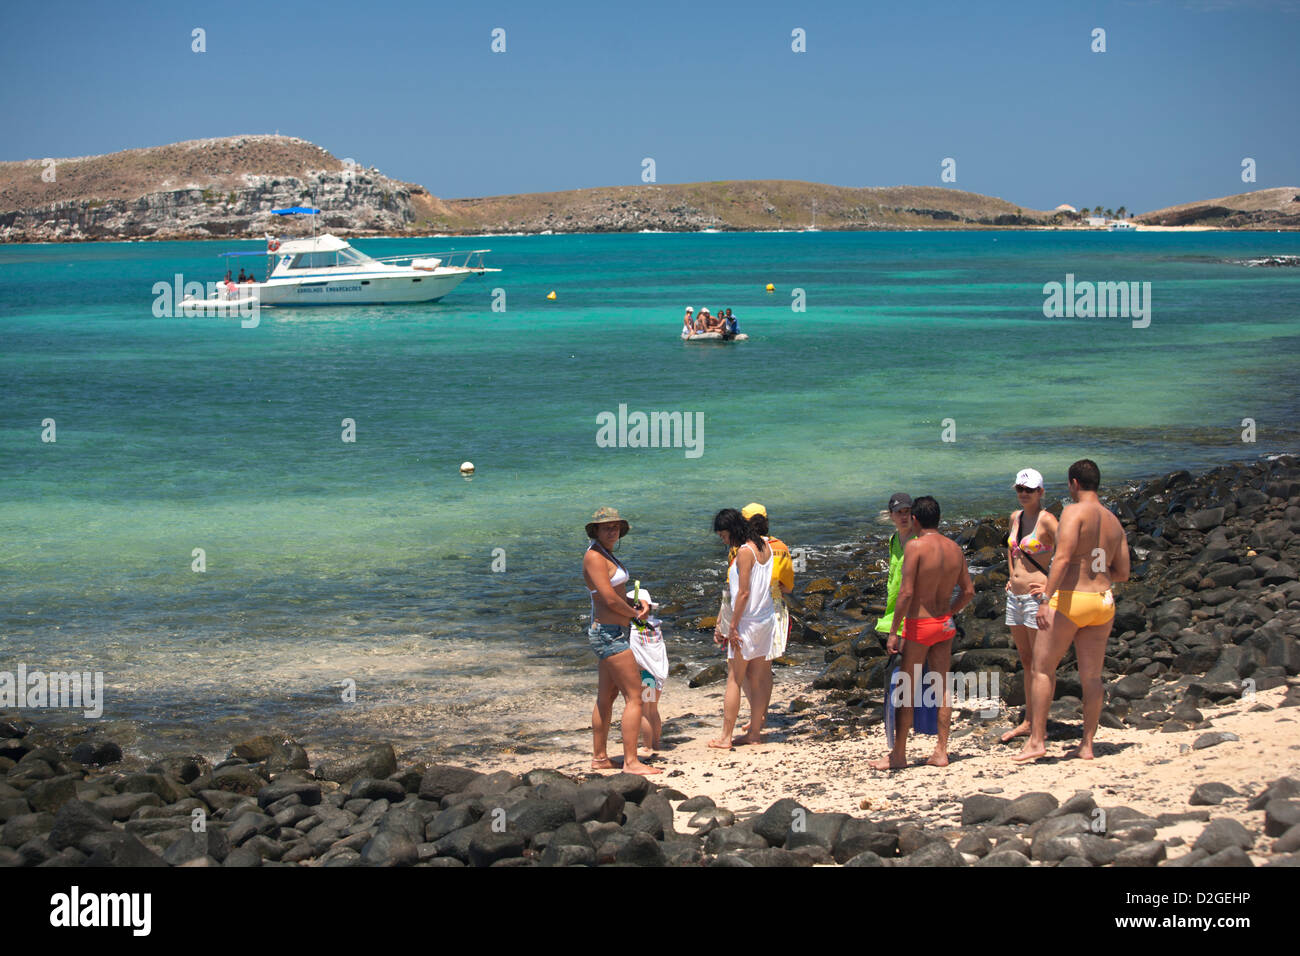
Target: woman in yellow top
(1029,556)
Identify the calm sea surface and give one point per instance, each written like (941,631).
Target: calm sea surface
(372,561)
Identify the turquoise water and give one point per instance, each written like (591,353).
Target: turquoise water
(373,560)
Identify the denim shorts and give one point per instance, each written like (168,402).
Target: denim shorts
(608,639)
(1023,609)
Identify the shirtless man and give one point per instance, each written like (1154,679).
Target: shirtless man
(1079,609)
(933,566)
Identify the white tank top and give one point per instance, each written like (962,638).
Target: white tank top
(760,606)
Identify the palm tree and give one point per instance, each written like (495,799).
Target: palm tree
(1121,212)
(1110,213)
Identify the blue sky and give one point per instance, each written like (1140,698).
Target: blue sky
(585,91)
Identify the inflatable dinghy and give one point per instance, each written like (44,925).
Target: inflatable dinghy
(714,337)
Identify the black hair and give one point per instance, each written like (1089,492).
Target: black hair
(1086,473)
(926,512)
(759,521)
(738,529)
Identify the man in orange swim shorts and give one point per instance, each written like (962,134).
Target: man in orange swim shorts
(1091,555)
(932,567)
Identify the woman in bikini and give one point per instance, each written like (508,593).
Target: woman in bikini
(1029,555)
(609,638)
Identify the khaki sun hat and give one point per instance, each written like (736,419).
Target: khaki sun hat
(607,516)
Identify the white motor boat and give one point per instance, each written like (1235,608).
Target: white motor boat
(326,270)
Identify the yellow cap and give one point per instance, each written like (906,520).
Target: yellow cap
(751,509)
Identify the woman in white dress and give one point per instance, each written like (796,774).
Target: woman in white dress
(753,624)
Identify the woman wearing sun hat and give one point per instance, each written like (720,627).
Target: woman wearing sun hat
(688,323)
(609,638)
(1029,557)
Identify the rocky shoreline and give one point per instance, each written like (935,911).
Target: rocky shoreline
(1205,631)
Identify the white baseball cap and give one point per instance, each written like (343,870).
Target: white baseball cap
(1028,478)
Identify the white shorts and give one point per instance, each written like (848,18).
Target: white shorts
(1023,609)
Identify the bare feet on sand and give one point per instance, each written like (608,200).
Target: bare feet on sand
(1010,735)
(601,763)
(640,768)
(1083,752)
(745,738)
(1028,753)
(886,763)
(721,743)
(937,760)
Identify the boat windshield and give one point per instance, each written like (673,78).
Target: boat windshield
(327,260)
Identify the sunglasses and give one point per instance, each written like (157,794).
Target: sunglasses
(1020,490)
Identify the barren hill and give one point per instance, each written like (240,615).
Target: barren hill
(200,188)
(746,205)
(1261,209)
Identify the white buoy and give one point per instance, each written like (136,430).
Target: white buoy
(467,468)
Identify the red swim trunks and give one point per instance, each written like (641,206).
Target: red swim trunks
(929,630)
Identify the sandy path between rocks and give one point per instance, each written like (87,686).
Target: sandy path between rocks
(1147,770)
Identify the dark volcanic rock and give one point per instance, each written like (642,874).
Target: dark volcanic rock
(48,795)
(367,788)
(709,674)
(600,804)
(1213,739)
(1221,834)
(819,829)
(1280,816)
(1211,794)
(194,846)
(981,808)
(308,792)
(287,755)
(26,826)
(727,839)
(861,836)
(1004,858)
(1029,808)
(1233,856)
(934,853)
(1098,851)
(695,803)
(639,820)
(531,817)
(641,850)
(487,847)
(76,820)
(391,848)
(775,822)
(378,761)
(1149,853)
(567,854)
(632,787)
(118,849)
(443,780)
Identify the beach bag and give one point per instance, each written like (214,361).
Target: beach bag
(647,642)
